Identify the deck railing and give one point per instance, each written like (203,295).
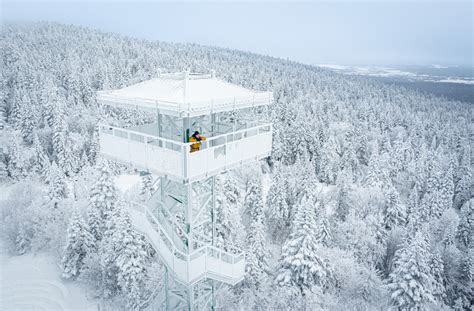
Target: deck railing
(165,156)
(215,105)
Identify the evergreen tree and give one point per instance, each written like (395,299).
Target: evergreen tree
(463,191)
(147,186)
(343,201)
(465,288)
(57,189)
(278,209)
(228,223)
(465,230)
(102,202)
(447,189)
(49,99)
(94,147)
(42,161)
(27,119)
(395,214)
(323,233)
(410,281)
(256,254)
(23,239)
(60,147)
(131,261)
(83,161)
(437,273)
(329,163)
(300,264)
(78,244)
(17,168)
(376,176)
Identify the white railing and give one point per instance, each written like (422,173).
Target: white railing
(196,108)
(205,261)
(164,156)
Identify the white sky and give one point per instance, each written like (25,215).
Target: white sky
(344,32)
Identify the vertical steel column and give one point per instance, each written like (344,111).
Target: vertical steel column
(190,298)
(189,215)
(159,121)
(213,215)
(167,288)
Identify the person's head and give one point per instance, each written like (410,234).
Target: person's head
(197,135)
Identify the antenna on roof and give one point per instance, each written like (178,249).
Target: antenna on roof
(186,78)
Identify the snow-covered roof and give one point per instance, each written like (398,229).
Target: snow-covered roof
(184,94)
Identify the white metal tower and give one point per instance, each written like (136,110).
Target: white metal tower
(179,219)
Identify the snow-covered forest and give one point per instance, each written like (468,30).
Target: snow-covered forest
(365,204)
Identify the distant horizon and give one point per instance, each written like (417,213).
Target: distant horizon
(343,33)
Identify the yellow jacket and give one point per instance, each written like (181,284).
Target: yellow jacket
(197,144)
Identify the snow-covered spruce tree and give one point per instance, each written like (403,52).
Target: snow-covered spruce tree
(464,286)
(464,188)
(447,188)
(17,166)
(23,239)
(49,100)
(146,186)
(343,201)
(323,234)
(228,222)
(414,215)
(83,161)
(256,251)
(59,136)
(376,174)
(465,232)
(410,280)
(300,265)
(329,164)
(57,187)
(131,262)
(437,273)
(278,209)
(78,244)
(395,214)
(94,146)
(27,118)
(42,164)
(102,202)
(110,247)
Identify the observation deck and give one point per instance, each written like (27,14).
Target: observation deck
(183,103)
(163,156)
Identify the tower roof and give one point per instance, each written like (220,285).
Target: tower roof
(184,94)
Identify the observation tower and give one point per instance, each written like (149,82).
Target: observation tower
(179,219)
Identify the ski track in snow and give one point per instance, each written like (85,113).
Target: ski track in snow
(32,282)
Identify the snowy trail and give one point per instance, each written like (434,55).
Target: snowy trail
(32,282)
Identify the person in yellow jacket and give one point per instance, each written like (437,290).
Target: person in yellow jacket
(196,138)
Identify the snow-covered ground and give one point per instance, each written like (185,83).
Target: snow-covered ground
(33,282)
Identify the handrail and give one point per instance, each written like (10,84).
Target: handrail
(108,95)
(181,144)
(141,134)
(205,248)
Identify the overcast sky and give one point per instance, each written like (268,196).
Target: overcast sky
(342,32)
